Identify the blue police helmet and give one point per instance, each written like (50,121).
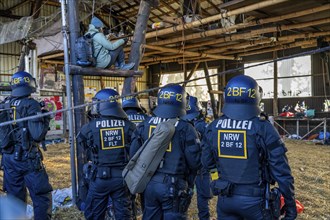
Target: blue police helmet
(130,102)
(171,102)
(242,97)
(109,108)
(22,84)
(192,110)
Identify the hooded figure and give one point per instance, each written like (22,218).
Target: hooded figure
(107,53)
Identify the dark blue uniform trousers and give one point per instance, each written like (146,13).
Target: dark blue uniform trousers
(98,198)
(159,203)
(239,207)
(18,175)
(203,194)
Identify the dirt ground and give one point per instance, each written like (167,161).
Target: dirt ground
(309,163)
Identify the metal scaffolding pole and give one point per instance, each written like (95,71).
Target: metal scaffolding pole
(69,100)
(78,97)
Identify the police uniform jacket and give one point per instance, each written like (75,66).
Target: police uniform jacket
(35,129)
(135,116)
(200,126)
(109,139)
(233,146)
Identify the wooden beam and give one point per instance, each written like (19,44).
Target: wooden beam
(263,21)
(257,47)
(213,18)
(280,47)
(253,43)
(214,6)
(209,87)
(179,61)
(275,99)
(168,6)
(215,92)
(36,9)
(10,54)
(47,57)
(189,53)
(220,31)
(92,71)
(255,33)
(137,42)
(60,62)
(193,70)
(18,5)
(8,14)
(53,3)
(161,59)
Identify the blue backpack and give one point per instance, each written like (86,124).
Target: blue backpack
(6,131)
(85,51)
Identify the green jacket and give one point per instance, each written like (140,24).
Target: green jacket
(100,42)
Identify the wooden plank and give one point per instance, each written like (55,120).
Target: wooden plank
(189,53)
(92,71)
(47,57)
(215,92)
(209,86)
(191,73)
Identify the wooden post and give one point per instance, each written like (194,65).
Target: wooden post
(191,73)
(209,86)
(78,98)
(275,100)
(137,41)
(221,84)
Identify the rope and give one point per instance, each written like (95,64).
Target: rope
(160,87)
(93,7)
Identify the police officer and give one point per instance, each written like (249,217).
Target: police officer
(133,109)
(166,193)
(22,158)
(248,154)
(203,176)
(108,137)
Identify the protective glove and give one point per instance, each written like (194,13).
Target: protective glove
(290,212)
